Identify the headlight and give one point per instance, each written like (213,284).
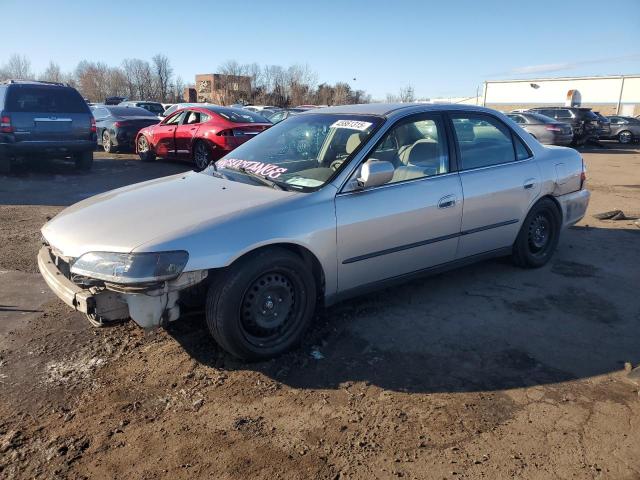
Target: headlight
(130,268)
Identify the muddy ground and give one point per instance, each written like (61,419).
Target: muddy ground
(486,372)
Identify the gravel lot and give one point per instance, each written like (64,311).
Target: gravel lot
(485,372)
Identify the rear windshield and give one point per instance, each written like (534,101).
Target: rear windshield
(538,117)
(237,115)
(130,112)
(34,99)
(152,107)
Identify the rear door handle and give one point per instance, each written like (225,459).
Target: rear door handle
(529,183)
(447,201)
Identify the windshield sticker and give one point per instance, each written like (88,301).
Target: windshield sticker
(265,169)
(304,182)
(351,124)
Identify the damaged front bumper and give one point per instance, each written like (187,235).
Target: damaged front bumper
(149,305)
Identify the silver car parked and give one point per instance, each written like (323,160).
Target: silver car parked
(546,130)
(327,205)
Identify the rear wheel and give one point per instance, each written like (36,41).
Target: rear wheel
(144,150)
(83,160)
(262,305)
(539,235)
(625,137)
(201,155)
(107,145)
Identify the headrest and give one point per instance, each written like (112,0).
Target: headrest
(352,142)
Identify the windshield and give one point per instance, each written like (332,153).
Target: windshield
(302,153)
(238,115)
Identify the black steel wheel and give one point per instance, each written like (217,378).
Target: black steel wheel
(538,236)
(261,305)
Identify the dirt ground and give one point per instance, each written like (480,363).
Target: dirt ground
(486,372)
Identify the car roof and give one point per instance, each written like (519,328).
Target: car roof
(387,109)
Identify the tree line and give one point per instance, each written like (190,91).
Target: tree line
(134,78)
(138,79)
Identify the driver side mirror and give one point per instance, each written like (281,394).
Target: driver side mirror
(374,173)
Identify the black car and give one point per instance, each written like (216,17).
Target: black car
(585,124)
(604,125)
(44,119)
(118,126)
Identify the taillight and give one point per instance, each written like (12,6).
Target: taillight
(93,125)
(118,124)
(553,128)
(5,124)
(583,175)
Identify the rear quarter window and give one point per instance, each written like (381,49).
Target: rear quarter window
(34,99)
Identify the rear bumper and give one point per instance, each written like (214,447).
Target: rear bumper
(574,206)
(47,147)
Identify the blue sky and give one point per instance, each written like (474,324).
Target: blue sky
(444,48)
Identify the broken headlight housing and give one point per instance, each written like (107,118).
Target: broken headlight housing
(129,268)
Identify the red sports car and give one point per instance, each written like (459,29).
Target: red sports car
(201,134)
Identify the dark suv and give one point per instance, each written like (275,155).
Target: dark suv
(585,123)
(45,119)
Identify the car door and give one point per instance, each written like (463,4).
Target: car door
(410,223)
(186,132)
(164,135)
(500,180)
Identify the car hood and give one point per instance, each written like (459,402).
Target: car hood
(170,207)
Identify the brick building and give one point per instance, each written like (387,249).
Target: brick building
(219,89)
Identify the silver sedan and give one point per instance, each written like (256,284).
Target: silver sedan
(326,205)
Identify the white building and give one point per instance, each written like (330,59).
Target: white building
(609,95)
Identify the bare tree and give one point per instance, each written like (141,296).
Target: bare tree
(162,76)
(17,67)
(139,79)
(406,94)
(52,73)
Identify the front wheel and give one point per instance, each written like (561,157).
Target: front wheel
(262,305)
(538,236)
(625,137)
(144,150)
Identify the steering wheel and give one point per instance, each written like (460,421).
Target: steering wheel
(335,165)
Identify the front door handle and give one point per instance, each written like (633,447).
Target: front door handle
(447,201)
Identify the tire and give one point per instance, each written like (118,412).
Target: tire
(202,155)
(144,149)
(107,145)
(261,306)
(538,236)
(84,160)
(625,137)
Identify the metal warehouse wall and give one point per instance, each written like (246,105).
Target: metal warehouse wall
(609,95)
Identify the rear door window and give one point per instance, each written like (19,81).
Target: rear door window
(483,140)
(34,99)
